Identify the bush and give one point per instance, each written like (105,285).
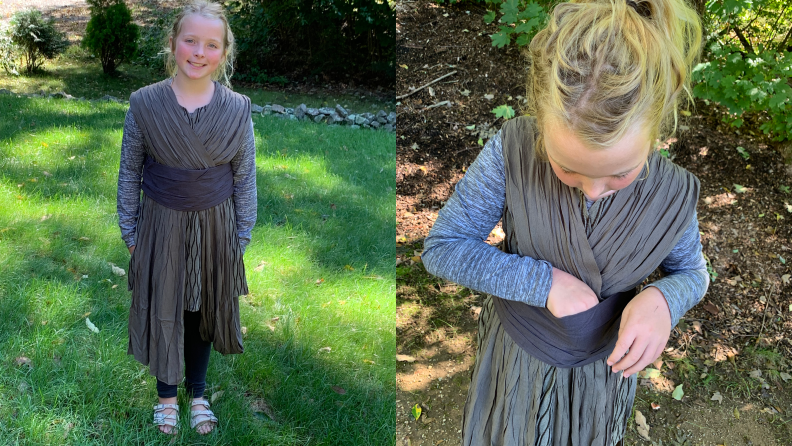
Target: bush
(354,37)
(153,42)
(8,53)
(110,35)
(37,38)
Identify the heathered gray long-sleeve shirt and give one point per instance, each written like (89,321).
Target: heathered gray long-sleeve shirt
(133,154)
(455,248)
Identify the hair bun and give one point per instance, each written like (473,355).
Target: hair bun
(643,8)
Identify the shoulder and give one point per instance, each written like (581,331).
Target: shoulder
(143,94)
(674,175)
(232,97)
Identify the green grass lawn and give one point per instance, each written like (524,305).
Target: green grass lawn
(320,271)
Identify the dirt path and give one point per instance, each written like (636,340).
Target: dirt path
(734,346)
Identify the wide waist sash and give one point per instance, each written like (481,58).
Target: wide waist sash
(570,341)
(186,189)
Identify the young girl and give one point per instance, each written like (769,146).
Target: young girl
(589,210)
(188,144)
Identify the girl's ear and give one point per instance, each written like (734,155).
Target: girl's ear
(170,43)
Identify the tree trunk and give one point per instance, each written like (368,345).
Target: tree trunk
(745,43)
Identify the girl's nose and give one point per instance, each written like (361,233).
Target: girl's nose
(594,189)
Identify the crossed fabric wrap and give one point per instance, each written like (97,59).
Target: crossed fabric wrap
(625,238)
(186,236)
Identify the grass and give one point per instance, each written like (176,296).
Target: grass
(80,75)
(319,268)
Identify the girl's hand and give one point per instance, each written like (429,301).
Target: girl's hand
(131,249)
(569,295)
(645,328)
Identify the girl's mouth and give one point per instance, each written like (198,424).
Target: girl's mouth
(196,65)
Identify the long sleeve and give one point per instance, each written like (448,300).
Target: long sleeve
(244,167)
(687,280)
(455,247)
(130,172)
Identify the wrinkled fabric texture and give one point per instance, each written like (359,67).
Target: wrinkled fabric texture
(186,253)
(516,399)
(612,246)
(187,189)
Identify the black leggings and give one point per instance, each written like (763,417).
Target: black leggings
(196,360)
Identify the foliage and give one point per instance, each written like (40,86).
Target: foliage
(110,34)
(504,111)
(8,53)
(331,37)
(153,42)
(748,63)
(36,38)
(521,19)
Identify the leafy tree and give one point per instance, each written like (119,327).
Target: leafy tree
(37,38)
(110,35)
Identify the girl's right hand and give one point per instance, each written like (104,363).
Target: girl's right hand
(569,295)
(131,249)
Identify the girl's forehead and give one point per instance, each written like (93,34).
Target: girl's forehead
(208,27)
(567,150)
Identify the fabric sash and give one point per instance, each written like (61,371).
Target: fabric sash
(187,189)
(543,219)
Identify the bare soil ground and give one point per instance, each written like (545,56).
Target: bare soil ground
(734,345)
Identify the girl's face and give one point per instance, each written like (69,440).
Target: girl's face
(198,49)
(596,172)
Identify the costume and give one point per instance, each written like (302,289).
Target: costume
(569,396)
(186,260)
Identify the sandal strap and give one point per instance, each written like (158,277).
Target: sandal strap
(199,417)
(202,402)
(159,407)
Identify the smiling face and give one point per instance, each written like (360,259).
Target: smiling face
(199,49)
(596,172)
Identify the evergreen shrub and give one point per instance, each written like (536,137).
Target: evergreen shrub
(111,35)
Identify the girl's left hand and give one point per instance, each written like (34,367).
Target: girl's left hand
(644,330)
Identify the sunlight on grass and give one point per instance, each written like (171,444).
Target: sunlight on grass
(320,272)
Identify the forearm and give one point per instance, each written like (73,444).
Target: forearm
(455,248)
(244,167)
(129,176)
(687,279)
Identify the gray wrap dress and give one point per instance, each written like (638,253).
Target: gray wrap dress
(186,260)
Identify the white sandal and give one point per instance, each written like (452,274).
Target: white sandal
(169,419)
(201,417)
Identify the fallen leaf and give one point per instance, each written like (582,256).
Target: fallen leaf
(740,189)
(324,350)
(655,406)
(275,319)
(465,93)
(641,426)
(117,271)
(711,308)
(403,66)
(405,358)
(717,397)
(270,327)
(244,331)
(684,112)
(46,174)
(649,373)
(785,376)
(24,360)
(755,374)
(349,267)
(260,266)
(489,97)
(416,412)
(678,393)
(736,413)
(338,390)
(319,281)
(368,361)
(91,326)
(216,395)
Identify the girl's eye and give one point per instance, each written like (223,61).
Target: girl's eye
(622,176)
(189,40)
(566,171)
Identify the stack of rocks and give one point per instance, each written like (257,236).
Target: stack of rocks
(332,116)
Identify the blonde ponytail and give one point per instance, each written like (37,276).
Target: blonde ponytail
(603,66)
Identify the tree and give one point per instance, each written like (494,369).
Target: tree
(37,38)
(110,35)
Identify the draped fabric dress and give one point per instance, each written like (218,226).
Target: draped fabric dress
(516,399)
(186,260)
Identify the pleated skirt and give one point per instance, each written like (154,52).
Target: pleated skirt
(183,261)
(518,400)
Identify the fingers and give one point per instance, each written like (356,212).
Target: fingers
(646,358)
(623,343)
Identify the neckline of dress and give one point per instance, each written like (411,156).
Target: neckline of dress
(175,99)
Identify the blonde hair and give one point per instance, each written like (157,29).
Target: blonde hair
(208,10)
(602,66)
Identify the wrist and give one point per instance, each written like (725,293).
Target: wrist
(656,296)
